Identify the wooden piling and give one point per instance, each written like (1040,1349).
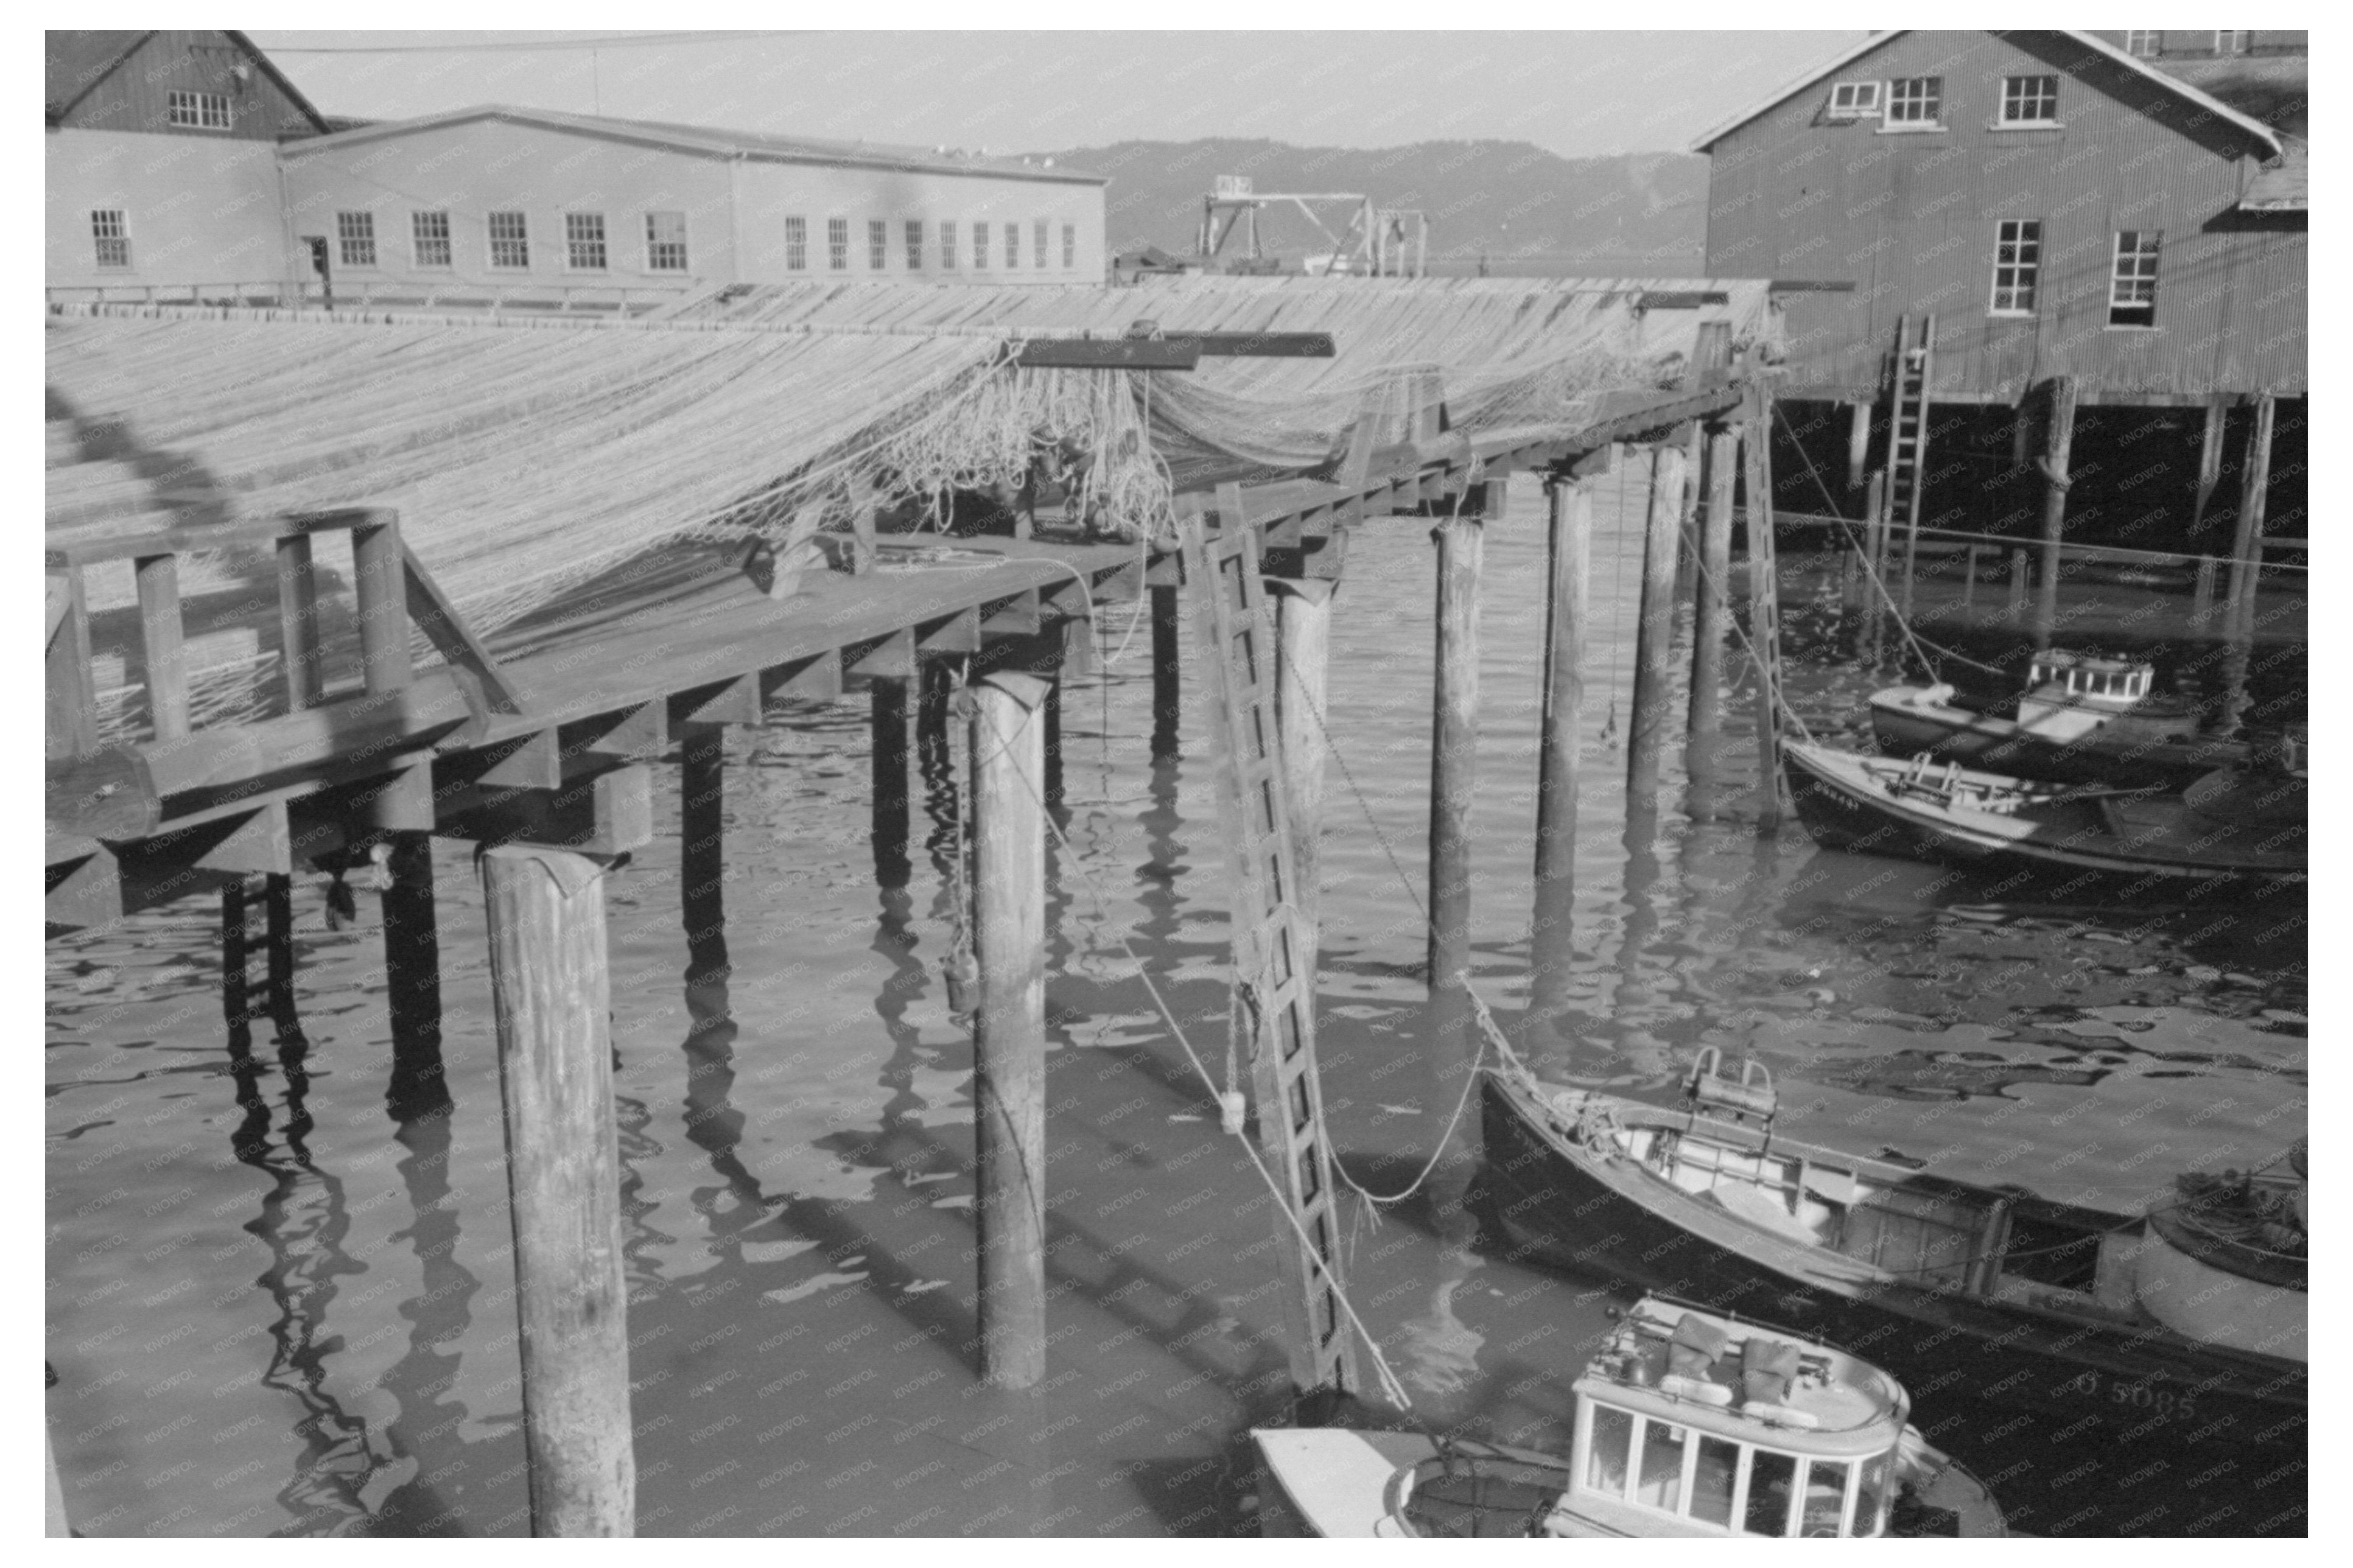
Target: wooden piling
(1874,586)
(412,971)
(2201,592)
(235,1009)
(1007,740)
(1858,443)
(1167,694)
(1303,629)
(2021,571)
(1053,716)
(2255,483)
(1711,617)
(1763,608)
(163,647)
(1453,773)
(2057,444)
(887,698)
(1569,544)
(1646,730)
(277,901)
(2210,463)
(552,992)
(702,833)
(380,589)
(1687,540)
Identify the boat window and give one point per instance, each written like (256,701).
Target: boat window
(1771,1477)
(1825,1496)
(1712,1472)
(1605,1461)
(1871,1496)
(1661,1484)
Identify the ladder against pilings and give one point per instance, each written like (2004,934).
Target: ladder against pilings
(1275,1026)
(1907,431)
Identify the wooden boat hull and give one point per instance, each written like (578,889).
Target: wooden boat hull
(1843,805)
(2113,754)
(1563,1205)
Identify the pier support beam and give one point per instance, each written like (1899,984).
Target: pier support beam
(1009,759)
(1165,690)
(412,972)
(887,698)
(1570,544)
(2058,442)
(1453,774)
(552,991)
(2255,484)
(1712,613)
(1303,629)
(1646,730)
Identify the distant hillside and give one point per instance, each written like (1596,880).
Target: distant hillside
(1526,208)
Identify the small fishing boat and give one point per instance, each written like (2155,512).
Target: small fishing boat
(2080,719)
(1688,1422)
(1924,812)
(2098,1319)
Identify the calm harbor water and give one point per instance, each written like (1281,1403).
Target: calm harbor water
(274,1309)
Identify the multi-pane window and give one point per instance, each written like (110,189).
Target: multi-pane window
(980,245)
(2230,43)
(837,243)
(665,242)
(797,245)
(914,245)
(2017,264)
(2147,44)
(199,110)
(1855,100)
(1012,246)
(356,238)
(584,241)
(947,244)
(1040,237)
(2029,100)
(2132,281)
(510,241)
(1916,101)
(878,244)
(111,235)
(429,239)
(1070,245)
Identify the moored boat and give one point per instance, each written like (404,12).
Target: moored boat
(2080,719)
(1996,1293)
(1921,811)
(1688,1422)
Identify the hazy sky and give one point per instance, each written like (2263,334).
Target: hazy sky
(1573,93)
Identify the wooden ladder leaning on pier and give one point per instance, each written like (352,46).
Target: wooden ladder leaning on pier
(1907,433)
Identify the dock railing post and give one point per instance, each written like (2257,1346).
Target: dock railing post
(1569,542)
(552,992)
(1711,612)
(1008,765)
(1646,730)
(2057,444)
(1453,774)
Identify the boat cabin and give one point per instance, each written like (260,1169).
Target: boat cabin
(1731,1429)
(2083,677)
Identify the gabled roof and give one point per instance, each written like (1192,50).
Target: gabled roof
(78,59)
(714,141)
(2255,129)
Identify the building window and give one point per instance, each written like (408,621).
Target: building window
(356,238)
(2017,264)
(837,243)
(509,242)
(1040,235)
(2230,43)
(1916,101)
(914,245)
(980,245)
(1856,101)
(112,236)
(797,245)
(584,241)
(665,242)
(428,239)
(199,111)
(2029,100)
(1070,245)
(2132,282)
(1012,246)
(878,244)
(947,245)
(2145,44)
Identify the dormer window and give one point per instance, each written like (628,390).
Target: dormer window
(1856,101)
(2226,43)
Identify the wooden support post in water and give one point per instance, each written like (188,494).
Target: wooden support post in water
(1874,586)
(1711,618)
(161,645)
(412,971)
(1166,691)
(1303,630)
(2210,465)
(888,697)
(2254,482)
(1569,543)
(2021,571)
(1687,517)
(1453,773)
(2057,444)
(1053,715)
(1858,443)
(552,992)
(1646,730)
(2201,592)
(236,1008)
(1008,760)
(1764,609)
(278,901)
(297,622)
